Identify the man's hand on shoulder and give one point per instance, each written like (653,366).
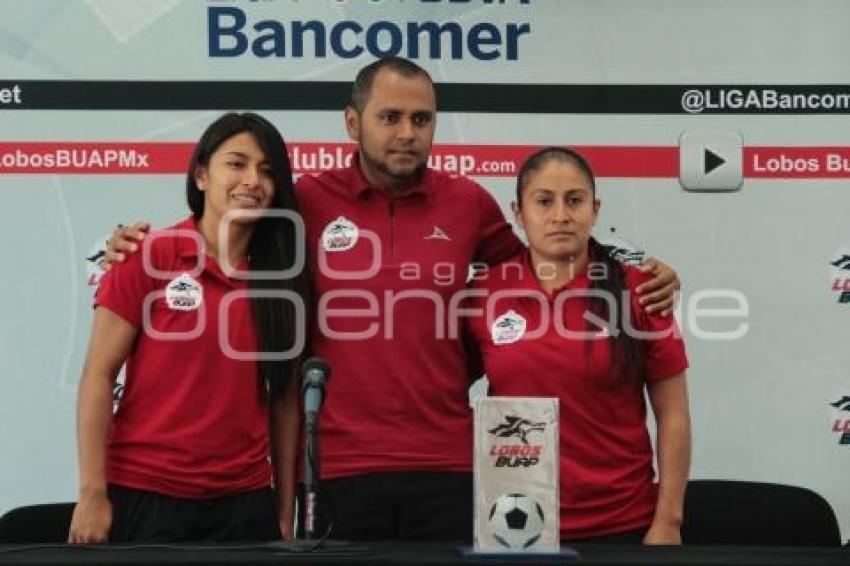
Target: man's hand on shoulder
(660,293)
(125,240)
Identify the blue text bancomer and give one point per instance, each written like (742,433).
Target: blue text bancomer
(231,34)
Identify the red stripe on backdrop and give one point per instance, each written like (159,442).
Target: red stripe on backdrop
(606,160)
(145,158)
(611,161)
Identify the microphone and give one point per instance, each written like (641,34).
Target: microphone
(314,373)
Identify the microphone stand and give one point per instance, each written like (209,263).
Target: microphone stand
(311,473)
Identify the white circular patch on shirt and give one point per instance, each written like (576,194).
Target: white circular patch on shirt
(508,328)
(184,293)
(340,235)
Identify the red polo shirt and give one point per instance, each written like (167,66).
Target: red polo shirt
(606,474)
(193,420)
(397,400)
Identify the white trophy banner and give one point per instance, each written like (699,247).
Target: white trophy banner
(516,475)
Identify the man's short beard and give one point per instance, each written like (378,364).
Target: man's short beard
(402,179)
(399,179)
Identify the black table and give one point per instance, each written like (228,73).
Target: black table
(410,554)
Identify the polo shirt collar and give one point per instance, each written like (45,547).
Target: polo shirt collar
(188,247)
(360,186)
(530,282)
(528,278)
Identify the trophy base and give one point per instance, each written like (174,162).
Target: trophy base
(564,553)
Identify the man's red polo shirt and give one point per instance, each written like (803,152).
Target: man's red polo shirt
(606,473)
(193,420)
(397,400)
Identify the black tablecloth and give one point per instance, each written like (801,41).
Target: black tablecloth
(410,554)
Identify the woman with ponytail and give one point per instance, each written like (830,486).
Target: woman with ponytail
(597,351)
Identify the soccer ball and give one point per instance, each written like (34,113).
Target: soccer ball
(516,521)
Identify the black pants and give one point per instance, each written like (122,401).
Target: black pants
(396,506)
(144,516)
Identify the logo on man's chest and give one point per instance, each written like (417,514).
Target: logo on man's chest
(339,235)
(438,234)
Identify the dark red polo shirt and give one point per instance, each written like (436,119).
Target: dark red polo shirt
(606,473)
(397,400)
(193,420)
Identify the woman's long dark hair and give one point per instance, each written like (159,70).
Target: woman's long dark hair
(626,361)
(272,246)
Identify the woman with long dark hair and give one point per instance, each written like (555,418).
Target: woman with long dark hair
(209,319)
(571,327)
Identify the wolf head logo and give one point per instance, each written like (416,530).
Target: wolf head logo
(518,427)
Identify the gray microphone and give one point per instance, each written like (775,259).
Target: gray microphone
(314,373)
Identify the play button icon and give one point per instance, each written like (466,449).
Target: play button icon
(710,161)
